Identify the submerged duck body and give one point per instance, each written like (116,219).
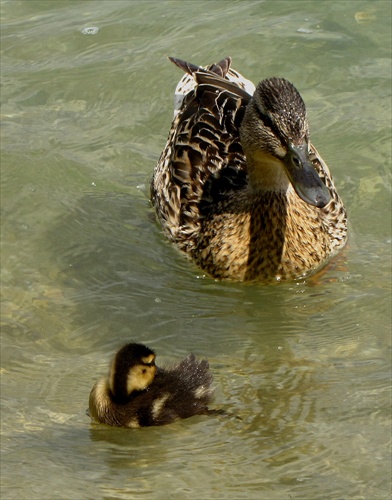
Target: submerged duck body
(137,393)
(239,187)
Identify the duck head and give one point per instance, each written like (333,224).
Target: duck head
(275,137)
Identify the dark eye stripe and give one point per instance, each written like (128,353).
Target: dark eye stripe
(268,122)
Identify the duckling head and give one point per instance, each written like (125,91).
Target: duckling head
(275,137)
(133,369)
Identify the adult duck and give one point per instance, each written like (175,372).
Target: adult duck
(239,187)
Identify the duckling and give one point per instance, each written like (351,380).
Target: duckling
(137,393)
(239,187)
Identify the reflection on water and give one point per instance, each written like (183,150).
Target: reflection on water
(303,367)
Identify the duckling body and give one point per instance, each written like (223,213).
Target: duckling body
(137,393)
(239,188)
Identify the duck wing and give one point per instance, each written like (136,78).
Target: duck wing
(203,161)
(219,75)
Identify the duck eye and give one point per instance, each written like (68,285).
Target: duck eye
(296,161)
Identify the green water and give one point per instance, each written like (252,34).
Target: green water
(85,268)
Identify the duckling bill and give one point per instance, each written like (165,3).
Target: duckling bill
(137,393)
(239,187)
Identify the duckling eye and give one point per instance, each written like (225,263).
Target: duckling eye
(149,365)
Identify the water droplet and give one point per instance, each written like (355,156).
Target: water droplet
(90,30)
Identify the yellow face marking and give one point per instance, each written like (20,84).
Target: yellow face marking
(148,359)
(140,377)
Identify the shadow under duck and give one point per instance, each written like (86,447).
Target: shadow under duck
(239,187)
(137,393)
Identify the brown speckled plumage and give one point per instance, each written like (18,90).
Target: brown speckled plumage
(270,214)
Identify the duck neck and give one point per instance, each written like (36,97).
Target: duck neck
(118,388)
(266,173)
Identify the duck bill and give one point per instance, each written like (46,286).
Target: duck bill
(304,177)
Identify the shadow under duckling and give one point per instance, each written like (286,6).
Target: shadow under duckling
(137,393)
